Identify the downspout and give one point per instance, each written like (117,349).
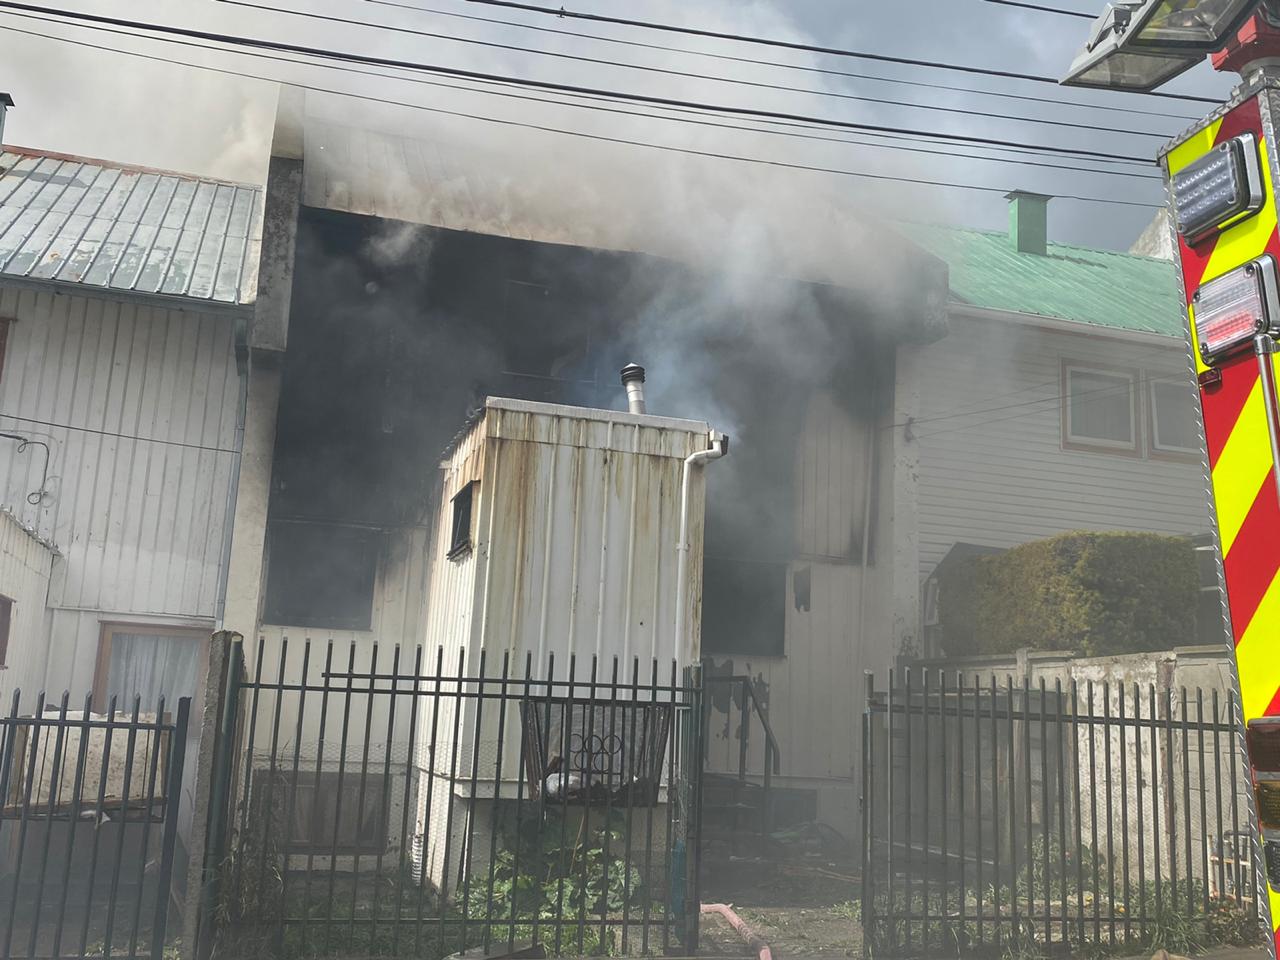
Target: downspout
(719,447)
(233,486)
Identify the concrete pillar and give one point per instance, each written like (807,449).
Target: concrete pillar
(905,537)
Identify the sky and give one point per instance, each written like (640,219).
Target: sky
(74,97)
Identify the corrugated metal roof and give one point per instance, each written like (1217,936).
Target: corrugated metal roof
(129,229)
(1102,287)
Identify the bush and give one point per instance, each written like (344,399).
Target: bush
(1090,593)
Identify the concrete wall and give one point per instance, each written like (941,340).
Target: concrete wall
(138,405)
(993,467)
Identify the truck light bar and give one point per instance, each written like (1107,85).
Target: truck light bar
(1234,308)
(1220,189)
(1263,738)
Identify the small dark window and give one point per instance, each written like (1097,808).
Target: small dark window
(744,607)
(326,818)
(460,537)
(6,617)
(321,575)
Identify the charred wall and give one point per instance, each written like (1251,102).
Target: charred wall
(397,332)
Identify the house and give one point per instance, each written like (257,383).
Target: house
(124,294)
(1061,398)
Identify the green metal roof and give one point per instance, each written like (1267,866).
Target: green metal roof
(1122,291)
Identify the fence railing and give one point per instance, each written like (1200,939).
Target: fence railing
(419,803)
(88,827)
(1090,816)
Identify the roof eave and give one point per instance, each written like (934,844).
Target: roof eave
(1059,325)
(116,295)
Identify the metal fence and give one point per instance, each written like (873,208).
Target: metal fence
(413,803)
(88,828)
(1002,816)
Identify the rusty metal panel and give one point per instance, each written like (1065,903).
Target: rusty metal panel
(128,229)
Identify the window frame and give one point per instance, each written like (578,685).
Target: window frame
(1133,448)
(6,608)
(1154,450)
(461,542)
(102,666)
(324,780)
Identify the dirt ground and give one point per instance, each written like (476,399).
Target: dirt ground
(799,910)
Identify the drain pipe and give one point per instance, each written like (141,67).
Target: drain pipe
(243,361)
(739,925)
(718,448)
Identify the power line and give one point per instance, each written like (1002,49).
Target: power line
(697,118)
(573,133)
(602,61)
(483,76)
(119,436)
(806,47)
(1040,9)
(804,68)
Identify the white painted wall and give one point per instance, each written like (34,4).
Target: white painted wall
(993,469)
(26,564)
(138,405)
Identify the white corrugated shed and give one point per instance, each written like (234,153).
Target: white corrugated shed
(575,517)
(26,562)
(994,470)
(138,405)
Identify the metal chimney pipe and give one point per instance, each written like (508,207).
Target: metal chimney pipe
(633,380)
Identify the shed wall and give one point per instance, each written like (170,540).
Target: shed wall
(25,568)
(138,405)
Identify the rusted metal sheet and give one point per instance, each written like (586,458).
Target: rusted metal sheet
(574,526)
(129,229)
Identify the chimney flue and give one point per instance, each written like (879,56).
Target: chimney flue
(6,102)
(633,380)
(1029,221)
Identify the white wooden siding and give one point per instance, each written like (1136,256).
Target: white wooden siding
(25,566)
(138,405)
(993,469)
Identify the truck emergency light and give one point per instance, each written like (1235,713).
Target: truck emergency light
(1233,309)
(1220,189)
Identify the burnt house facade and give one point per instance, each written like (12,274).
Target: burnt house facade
(389,309)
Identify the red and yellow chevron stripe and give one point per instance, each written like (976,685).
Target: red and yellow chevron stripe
(1238,442)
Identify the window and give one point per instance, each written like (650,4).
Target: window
(6,618)
(1100,409)
(744,607)
(1173,417)
(148,663)
(460,531)
(319,823)
(321,575)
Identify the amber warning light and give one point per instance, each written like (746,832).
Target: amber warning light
(1233,309)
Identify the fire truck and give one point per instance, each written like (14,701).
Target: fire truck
(1221,177)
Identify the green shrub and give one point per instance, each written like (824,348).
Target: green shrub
(1091,593)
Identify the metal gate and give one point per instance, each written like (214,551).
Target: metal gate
(378,802)
(88,827)
(1002,816)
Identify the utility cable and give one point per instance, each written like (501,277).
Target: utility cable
(781,64)
(456,72)
(806,47)
(1037,7)
(758,84)
(697,118)
(835,171)
(108,433)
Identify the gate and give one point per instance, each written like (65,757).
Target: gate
(89,827)
(1006,817)
(405,803)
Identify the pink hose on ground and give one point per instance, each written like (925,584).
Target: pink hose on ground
(738,924)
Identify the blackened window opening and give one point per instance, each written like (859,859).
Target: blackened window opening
(321,575)
(460,537)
